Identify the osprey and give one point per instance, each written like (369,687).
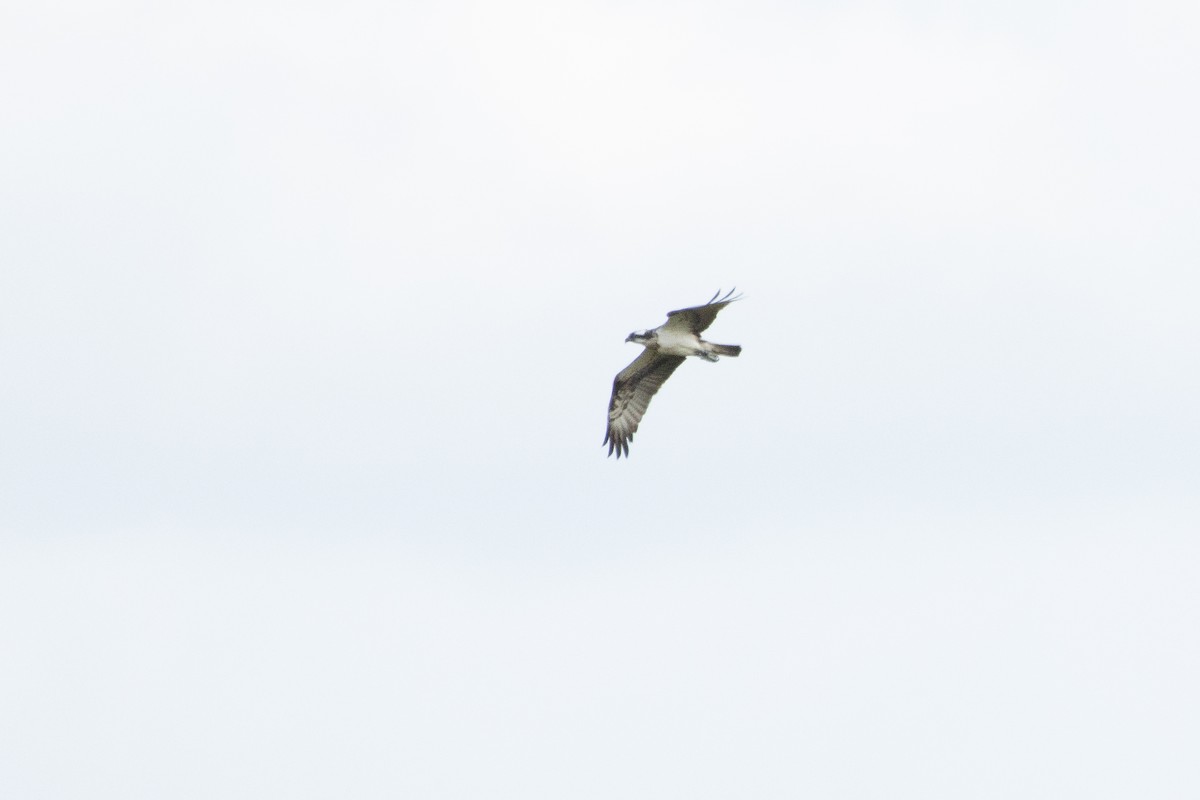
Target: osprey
(666,348)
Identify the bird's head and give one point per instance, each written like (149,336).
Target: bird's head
(641,337)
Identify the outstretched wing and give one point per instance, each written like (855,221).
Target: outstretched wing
(632,389)
(697,318)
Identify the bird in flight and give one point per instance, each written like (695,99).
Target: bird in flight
(666,348)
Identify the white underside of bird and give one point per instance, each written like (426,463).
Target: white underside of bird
(673,343)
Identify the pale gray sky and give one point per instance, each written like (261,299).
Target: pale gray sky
(308,318)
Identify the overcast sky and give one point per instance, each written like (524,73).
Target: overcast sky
(309,314)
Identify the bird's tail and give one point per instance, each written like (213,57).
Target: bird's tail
(726,349)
